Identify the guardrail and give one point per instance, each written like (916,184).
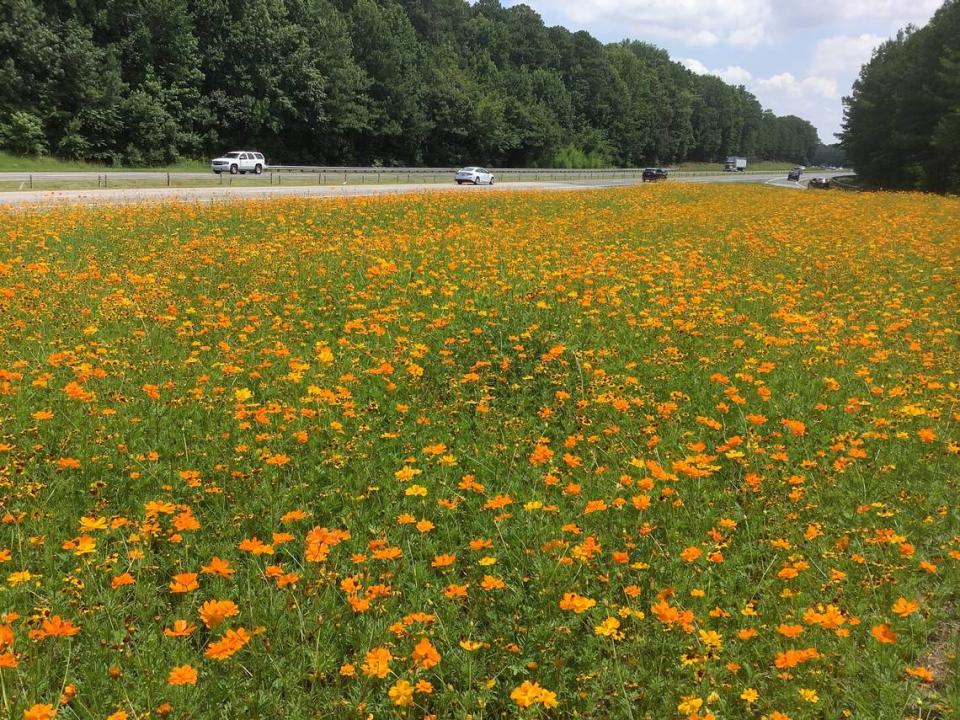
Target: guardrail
(315,174)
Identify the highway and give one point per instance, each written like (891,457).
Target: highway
(218,193)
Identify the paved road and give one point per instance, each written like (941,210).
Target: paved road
(225,193)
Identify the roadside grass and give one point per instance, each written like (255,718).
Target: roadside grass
(754,166)
(22,163)
(117,182)
(286,179)
(670,451)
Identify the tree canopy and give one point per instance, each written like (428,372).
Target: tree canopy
(397,82)
(902,121)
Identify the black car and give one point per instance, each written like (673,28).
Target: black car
(794,174)
(819,183)
(654,174)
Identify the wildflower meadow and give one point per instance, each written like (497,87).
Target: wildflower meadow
(670,451)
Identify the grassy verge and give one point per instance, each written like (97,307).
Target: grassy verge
(18,163)
(668,451)
(848,182)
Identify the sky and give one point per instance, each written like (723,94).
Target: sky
(798,57)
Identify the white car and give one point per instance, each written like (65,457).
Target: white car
(239,161)
(475,175)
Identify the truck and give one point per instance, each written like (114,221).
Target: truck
(735,164)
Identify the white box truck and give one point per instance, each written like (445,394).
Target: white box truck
(735,164)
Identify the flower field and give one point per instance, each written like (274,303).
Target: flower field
(671,451)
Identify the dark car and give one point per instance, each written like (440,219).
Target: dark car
(654,174)
(794,174)
(819,183)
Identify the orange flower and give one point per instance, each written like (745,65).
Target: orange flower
(121,580)
(541,454)
(214,612)
(904,607)
(884,634)
(39,712)
(219,567)
(182,675)
(577,603)
(790,631)
(529,693)
(425,655)
(920,672)
(491,582)
(796,427)
(58,627)
(184,583)
(792,658)
(231,643)
(180,629)
(376,663)
(690,554)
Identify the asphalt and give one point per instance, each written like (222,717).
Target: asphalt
(226,193)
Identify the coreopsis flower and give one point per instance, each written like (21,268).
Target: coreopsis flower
(376,663)
(184,583)
(904,607)
(214,612)
(40,712)
(425,655)
(56,626)
(401,693)
(883,633)
(180,629)
(228,645)
(531,693)
(182,675)
(576,603)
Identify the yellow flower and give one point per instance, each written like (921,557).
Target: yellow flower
(401,693)
(689,705)
(609,628)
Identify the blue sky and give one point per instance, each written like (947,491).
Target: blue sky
(798,57)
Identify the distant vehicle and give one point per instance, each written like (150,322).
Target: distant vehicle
(795,174)
(735,164)
(239,161)
(819,183)
(475,175)
(654,174)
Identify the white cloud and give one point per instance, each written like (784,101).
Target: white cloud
(696,66)
(736,23)
(841,56)
(734,74)
(787,85)
(693,22)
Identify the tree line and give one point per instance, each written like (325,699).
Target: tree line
(902,121)
(392,82)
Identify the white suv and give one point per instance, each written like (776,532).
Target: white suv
(239,161)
